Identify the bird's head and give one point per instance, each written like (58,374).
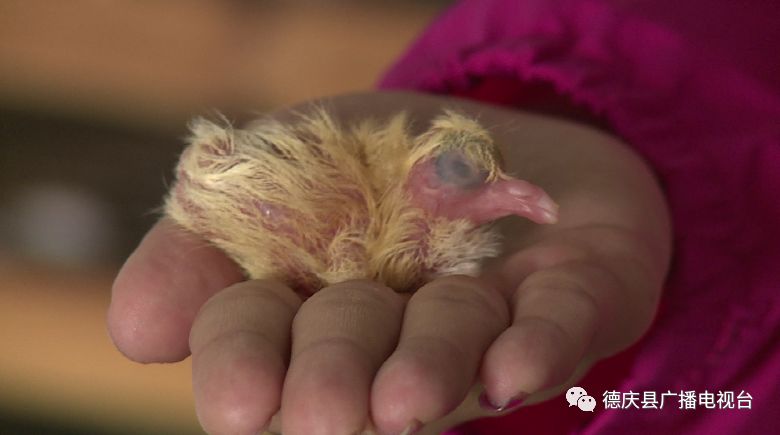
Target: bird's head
(456,171)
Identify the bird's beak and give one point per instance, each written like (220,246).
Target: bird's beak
(520,198)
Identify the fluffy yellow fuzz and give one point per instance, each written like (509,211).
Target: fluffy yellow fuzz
(312,203)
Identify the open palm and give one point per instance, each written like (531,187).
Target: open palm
(357,355)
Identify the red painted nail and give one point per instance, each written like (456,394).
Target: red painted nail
(513,403)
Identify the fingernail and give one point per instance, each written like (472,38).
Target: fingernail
(513,403)
(412,428)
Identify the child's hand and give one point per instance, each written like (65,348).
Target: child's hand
(562,297)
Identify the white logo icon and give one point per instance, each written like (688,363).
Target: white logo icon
(574,394)
(586,403)
(577,396)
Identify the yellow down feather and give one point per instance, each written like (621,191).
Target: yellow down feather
(312,203)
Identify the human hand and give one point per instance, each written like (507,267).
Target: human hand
(357,354)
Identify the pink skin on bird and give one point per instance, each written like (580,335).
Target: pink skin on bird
(480,204)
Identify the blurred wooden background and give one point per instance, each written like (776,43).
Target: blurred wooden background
(94,100)
(158,62)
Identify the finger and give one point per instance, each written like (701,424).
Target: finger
(556,313)
(160,289)
(240,345)
(341,335)
(448,325)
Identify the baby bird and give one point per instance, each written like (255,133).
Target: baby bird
(312,203)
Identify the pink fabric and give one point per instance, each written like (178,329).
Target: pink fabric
(694,87)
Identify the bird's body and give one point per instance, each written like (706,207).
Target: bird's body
(312,203)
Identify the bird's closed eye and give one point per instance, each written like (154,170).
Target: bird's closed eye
(454,168)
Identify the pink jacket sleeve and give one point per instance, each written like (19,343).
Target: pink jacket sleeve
(694,87)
